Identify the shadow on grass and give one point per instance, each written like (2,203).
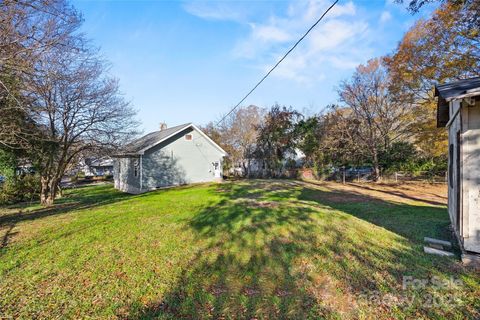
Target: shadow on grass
(278,250)
(74,199)
(411,221)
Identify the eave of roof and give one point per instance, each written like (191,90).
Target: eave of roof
(138,146)
(148,141)
(451,91)
(458,89)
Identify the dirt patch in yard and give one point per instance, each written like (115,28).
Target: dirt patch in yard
(432,194)
(338,197)
(250,203)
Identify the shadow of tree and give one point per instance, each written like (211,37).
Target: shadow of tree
(285,250)
(161,170)
(411,221)
(75,199)
(244,270)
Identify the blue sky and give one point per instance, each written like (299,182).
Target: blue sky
(183,61)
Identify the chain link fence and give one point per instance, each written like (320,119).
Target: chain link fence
(366,175)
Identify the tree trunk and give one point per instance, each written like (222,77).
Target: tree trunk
(376,166)
(48,190)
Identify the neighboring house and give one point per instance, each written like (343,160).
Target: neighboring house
(24,166)
(459,110)
(171,156)
(93,167)
(102,166)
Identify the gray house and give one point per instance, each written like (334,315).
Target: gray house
(459,111)
(173,156)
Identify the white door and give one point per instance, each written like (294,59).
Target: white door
(216,169)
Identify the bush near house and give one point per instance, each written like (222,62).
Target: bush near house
(19,189)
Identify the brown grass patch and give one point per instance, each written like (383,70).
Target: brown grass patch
(433,194)
(250,203)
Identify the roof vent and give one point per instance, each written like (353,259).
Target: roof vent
(163,126)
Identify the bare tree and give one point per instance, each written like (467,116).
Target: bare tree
(78,107)
(239,132)
(56,97)
(29,30)
(380,116)
(237,135)
(338,136)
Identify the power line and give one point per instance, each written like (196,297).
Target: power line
(279,61)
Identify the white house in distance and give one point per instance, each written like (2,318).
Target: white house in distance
(458,110)
(95,167)
(170,156)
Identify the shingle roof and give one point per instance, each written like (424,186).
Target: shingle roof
(456,89)
(452,90)
(136,146)
(102,162)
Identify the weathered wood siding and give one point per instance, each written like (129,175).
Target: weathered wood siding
(471,176)
(465,195)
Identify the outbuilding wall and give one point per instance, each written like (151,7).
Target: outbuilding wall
(464,174)
(470,192)
(453,163)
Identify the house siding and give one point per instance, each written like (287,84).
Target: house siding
(179,161)
(124,174)
(464,186)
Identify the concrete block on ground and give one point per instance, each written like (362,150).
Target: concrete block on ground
(436,246)
(444,243)
(438,252)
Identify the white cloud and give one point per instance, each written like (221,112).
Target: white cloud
(341,41)
(385,16)
(343,10)
(311,10)
(269,33)
(330,44)
(289,69)
(336,33)
(216,10)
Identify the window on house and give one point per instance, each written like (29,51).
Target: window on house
(188,137)
(135,168)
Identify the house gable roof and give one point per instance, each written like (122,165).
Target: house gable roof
(454,90)
(148,141)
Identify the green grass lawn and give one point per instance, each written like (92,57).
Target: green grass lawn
(251,249)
